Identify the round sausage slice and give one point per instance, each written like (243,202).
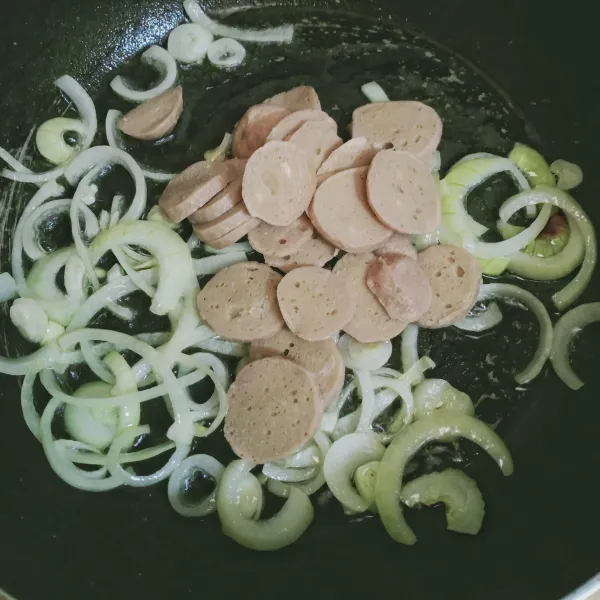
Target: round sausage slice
(225,224)
(357,152)
(155,118)
(291,123)
(315,303)
(298,98)
(401,286)
(274,408)
(279,183)
(236,234)
(403,193)
(399,243)
(321,359)
(240,302)
(281,241)
(316,253)
(410,126)
(455,278)
(370,323)
(220,204)
(253,128)
(341,214)
(196,186)
(318,139)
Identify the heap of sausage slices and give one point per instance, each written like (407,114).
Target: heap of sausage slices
(301,196)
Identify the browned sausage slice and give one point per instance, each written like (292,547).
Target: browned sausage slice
(292,123)
(403,193)
(316,253)
(401,286)
(341,214)
(155,118)
(196,186)
(253,128)
(235,235)
(357,152)
(220,204)
(315,303)
(279,183)
(399,243)
(410,126)
(322,359)
(370,323)
(240,302)
(318,139)
(281,241)
(225,224)
(455,278)
(274,408)
(299,98)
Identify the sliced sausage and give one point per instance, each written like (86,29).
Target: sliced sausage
(298,98)
(253,128)
(315,303)
(235,235)
(399,243)
(196,186)
(357,152)
(155,118)
(316,253)
(407,125)
(274,408)
(403,193)
(220,204)
(225,224)
(401,286)
(370,322)
(240,302)
(455,278)
(281,241)
(279,183)
(341,214)
(318,139)
(322,359)
(292,123)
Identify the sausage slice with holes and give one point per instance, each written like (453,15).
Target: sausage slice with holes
(299,98)
(318,139)
(341,214)
(406,125)
(294,121)
(274,408)
(399,244)
(155,118)
(455,278)
(401,286)
(403,193)
(278,184)
(316,253)
(240,302)
(357,152)
(315,303)
(225,224)
(281,241)
(371,322)
(220,204)
(253,128)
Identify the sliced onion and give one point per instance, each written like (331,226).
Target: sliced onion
(374,92)
(567,327)
(8,287)
(568,175)
(226,53)
(500,290)
(289,474)
(163,62)
(282,34)
(402,389)
(367,357)
(482,321)
(137,278)
(189,42)
(213,264)
(409,348)
(367,396)
(30,414)
(50,139)
(224,347)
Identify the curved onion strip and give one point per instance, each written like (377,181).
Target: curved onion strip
(283,34)
(568,175)
(347,424)
(271,534)
(136,277)
(114,139)
(289,474)
(210,265)
(441,426)
(179,481)
(409,349)
(482,321)
(437,394)
(367,357)
(543,194)
(163,62)
(94,363)
(218,368)
(567,327)
(367,396)
(84,454)
(225,347)
(308,456)
(30,414)
(41,280)
(342,460)
(82,250)
(374,92)
(226,53)
(401,389)
(499,290)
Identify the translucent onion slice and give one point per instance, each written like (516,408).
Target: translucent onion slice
(367,357)
(365,479)
(8,287)
(224,347)
(482,321)
(50,139)
(567,327)
(163,62)
(409,348)
(374,92)
(437,394)
(226,53)
(189,42)
(568,175)
(213,264)
(289,474)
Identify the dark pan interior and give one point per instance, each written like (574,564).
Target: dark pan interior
(527,75)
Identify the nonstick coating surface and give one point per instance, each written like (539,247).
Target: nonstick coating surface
(541,525)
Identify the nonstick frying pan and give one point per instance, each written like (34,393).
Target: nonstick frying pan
(528,75)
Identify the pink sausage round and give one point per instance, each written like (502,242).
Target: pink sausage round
(281,241)
(318,139)
(225,224)
(399,243)
(316,253)
(236,234)
(220,204)
(357,152)
(298,98)
(253,128)
(292,122)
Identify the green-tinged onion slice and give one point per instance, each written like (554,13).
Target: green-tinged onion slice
(532,164)
(568,175)
(437,394)
(365,478)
